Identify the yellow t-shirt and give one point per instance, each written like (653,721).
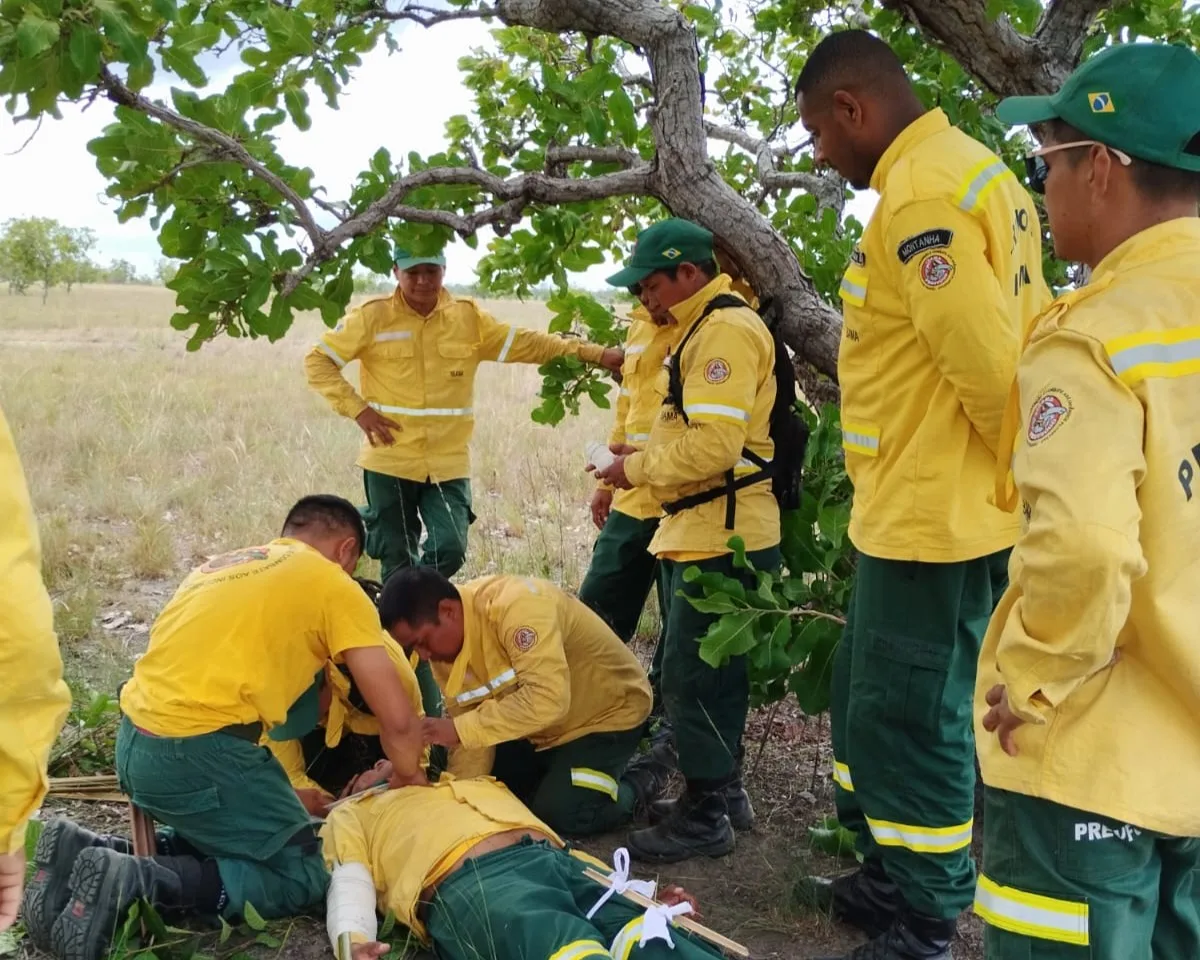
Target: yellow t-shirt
(243,638)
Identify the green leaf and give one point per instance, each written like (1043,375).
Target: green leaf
(267,940)
(833,520)
(116,28)
(296,101)
(84,50)
(718,603)
(35,33)
(811,683)
(388,925)
(620,108)
(730,636)
(594,122)
(253,918)
(831,838)
(165,9)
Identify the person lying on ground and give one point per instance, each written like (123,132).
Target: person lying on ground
(540,693)
(470,870)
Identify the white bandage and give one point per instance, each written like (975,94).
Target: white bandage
(350,907)
(619,881)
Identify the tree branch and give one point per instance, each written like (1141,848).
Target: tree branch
(1064,27)
(425,16)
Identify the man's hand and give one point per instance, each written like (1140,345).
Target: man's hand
(601,506)
(316,802)
(377,427)
(368,951)
(1000,720)
(612,359)
(672,894)
(614,474)
(440,732)
(12,882)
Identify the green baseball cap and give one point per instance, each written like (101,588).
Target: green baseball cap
(404,260)
(666,244)
(1143,98)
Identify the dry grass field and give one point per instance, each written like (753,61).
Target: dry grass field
(143,460)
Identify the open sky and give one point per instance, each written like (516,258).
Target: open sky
(399,101)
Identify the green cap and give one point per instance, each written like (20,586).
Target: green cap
(666,244)
(1143,98)
(404,260)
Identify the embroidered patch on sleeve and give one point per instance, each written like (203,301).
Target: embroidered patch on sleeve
(716,371)
(524,639)
(1050,411)
(937,270)
(928,240)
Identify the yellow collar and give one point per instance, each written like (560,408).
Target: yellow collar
(466,656)
(689,310)
(921,129)
(400,304)
(1150,244)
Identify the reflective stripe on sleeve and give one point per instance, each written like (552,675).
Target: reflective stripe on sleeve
(624,942)
(979,182)
(920,839)
(588,779)
(860,438)
(716,410)
(331,353)
(854,286)
(578,949)
(1162,353)
(1031,914)
(841,776)
(492,685)
(508,342)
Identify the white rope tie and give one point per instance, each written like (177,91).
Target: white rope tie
(619,882)
(656,924)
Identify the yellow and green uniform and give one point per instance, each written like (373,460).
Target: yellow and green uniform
(727,373)
(1099,805)
(419,371)
(234,649)
(33,697)
(545,692)
(346,742)
(526,900)
(938,294)
(622,569)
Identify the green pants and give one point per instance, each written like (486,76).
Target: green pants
(395,512)
(900,718)
(619,578)
(531,901)
(1065,884)
(707,706)
(575,788)
(229,799)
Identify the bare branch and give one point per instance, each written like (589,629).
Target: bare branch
(425,16)
(744,139)
(577,153)
(225,144)
(1065,26)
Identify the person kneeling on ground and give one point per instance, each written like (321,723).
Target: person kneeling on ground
(229,656)
(467,867)
(540,692)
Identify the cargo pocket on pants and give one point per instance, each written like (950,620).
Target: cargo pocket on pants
(907,680)
(172,807)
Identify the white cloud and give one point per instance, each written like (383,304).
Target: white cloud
(399,101)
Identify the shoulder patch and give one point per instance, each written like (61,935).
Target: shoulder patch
(937,270)
(716,370)
(858,256)
(235,558)
(524,638)
(928,240)
(1050,411)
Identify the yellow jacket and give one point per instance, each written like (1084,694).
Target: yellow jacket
(640,401)
(33,697)
(538,665)
(1107,467)
(728,377)
(937,296)
(243,637)
(420,372)
(409,838)
(345,717)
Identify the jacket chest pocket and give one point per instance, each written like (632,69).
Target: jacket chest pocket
(395,345)
(456,359)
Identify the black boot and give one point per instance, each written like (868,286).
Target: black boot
(662,745)
(737,802)
(104,884)
(865,899)
(649,778)
(698,826)
(47,891)
(913,936)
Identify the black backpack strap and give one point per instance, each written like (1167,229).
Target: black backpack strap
(722,301)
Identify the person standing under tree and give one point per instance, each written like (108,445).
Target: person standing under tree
(938,293)
(1088,688)
(419,350)
(33,697)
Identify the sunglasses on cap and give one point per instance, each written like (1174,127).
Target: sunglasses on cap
(1036,169)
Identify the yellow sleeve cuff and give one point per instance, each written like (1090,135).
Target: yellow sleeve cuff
(635,469)
(591,352)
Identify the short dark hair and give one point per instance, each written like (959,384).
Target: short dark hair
(849,59)
(1153,180)
(333,514)
(412,595)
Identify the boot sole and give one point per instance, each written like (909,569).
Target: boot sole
(677,856)
(741,824)
(84,929)
(49,889)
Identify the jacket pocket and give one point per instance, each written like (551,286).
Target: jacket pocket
(907,680)
(394,345)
